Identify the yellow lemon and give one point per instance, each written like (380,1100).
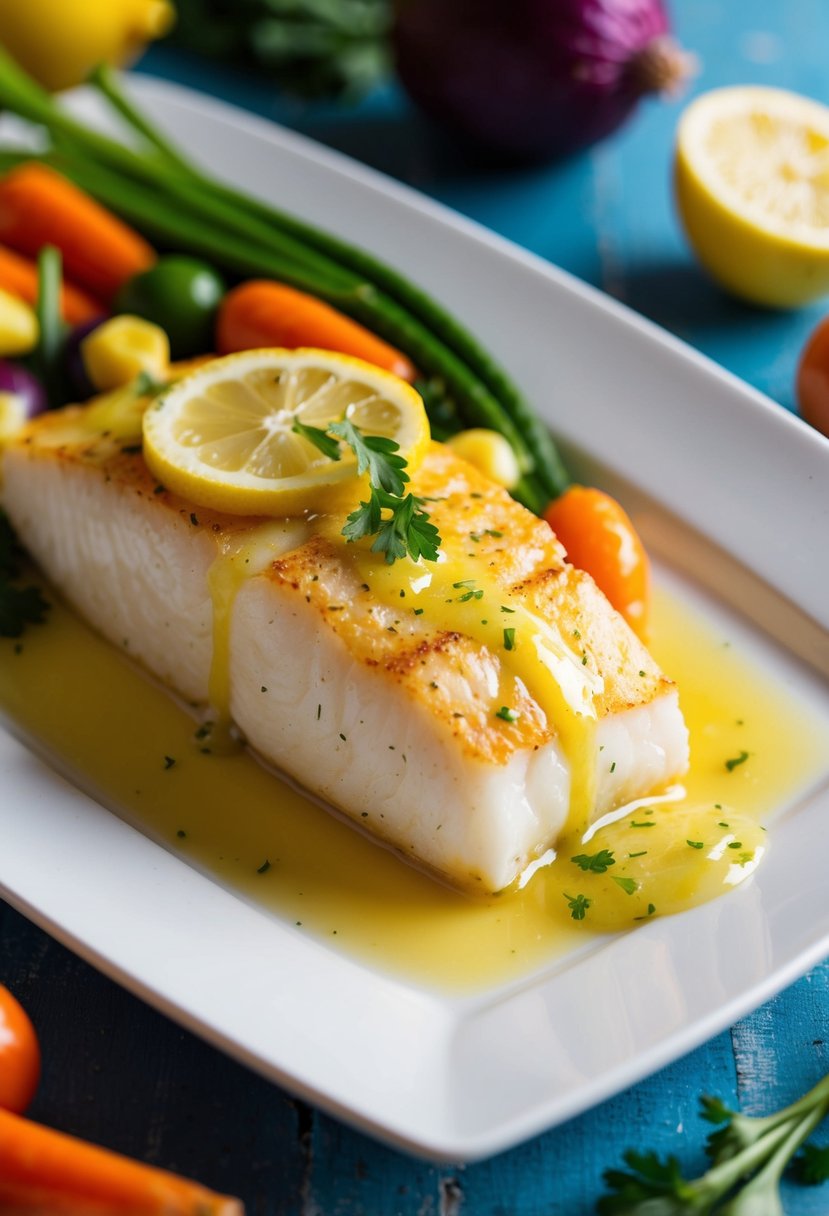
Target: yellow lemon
(224,436)
(752,186)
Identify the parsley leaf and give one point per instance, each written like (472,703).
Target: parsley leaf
(578,905)
(595,863)
(323,442)
(386,470)
(736,760)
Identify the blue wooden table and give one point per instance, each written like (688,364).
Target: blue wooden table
(121,1074)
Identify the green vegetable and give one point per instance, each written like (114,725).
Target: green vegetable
(19,606)
(46,356)
(748,1158)
(176,204)
(181,295)
(596,863)
(407,528)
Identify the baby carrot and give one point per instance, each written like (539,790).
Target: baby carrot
(264,313)
(18,276)
(42,1170)
(600,538)
(40,207)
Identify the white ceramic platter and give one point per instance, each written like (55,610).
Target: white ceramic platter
(737,495)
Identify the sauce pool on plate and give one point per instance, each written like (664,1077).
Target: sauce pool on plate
(754,749)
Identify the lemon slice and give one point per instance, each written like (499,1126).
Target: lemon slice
(222,437)
(752,185)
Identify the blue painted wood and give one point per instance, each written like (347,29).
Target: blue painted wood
(122,1074)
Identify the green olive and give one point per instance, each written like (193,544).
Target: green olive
(181,294)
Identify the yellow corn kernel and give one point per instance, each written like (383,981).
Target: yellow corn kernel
(123,347)
(18,326)
(490,452)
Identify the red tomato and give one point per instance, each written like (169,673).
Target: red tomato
(600,538)
(19,1055)
(813,379)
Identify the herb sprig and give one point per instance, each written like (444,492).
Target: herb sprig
(748,1157)
(406,529)
(19,606)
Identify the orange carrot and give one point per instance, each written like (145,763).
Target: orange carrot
(18,276)
(265,313)
(40,207)
(600,538)
(45,1171)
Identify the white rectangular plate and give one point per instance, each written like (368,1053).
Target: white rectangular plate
(450,1078)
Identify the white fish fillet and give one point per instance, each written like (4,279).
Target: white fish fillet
(372,708)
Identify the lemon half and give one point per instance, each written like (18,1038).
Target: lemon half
(222,437)
(752,186)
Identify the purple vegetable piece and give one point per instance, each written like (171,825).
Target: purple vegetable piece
(73,359)
(21,397)
(535,79)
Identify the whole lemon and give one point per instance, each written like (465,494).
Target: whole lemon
(59,42)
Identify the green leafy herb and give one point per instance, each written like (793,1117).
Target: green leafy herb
(509,639)
(695,844)
(595,863)
(628,885)
(748,1156)
(736,760)
(508,715)
(320,439)
(578,905)
(19,606)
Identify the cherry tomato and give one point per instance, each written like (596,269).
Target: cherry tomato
(813,379)
(600,538)
(19,1055)
(181,295)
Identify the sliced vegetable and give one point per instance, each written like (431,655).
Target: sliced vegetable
(489,452)
(18,326)
(19,1055)
(18,276)
(813,378)
(42,1170)
(41,207)
(181,294)
(21,397)
(600,538)
(261,313)
(121,348)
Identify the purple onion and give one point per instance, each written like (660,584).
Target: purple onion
(533,79)
(21,396)
(73,358)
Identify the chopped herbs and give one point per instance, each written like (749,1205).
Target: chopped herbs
(578,905)
(628,885)
(509,639)
(634,824)
(507,714)
(595,863)
(735,844)
(641,853)
(695,844)
(169,761)
(194,519)
(736,760)
(505,609)
(19,606)
(265,866)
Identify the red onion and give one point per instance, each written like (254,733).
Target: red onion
(534,78)
(21,397)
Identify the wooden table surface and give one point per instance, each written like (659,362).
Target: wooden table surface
(118,1072)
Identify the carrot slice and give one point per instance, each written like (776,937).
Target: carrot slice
(42,1170)
(40,207)
(18,276)
(264,313)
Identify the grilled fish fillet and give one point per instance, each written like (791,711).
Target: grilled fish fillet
(370,704)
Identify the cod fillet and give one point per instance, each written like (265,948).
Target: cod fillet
(369,703)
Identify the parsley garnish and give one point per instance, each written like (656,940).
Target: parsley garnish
(509,639)
(735,760)
(595,863)
(578,905)
(407,529)
(695,844)
(628,885)
(19,606)
(508,715)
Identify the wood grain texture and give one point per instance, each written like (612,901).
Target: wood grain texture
(124,1075)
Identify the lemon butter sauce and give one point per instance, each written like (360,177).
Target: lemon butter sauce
(754,748)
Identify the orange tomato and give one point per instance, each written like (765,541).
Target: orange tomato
(813,379)
(19,1055)
(600,538)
